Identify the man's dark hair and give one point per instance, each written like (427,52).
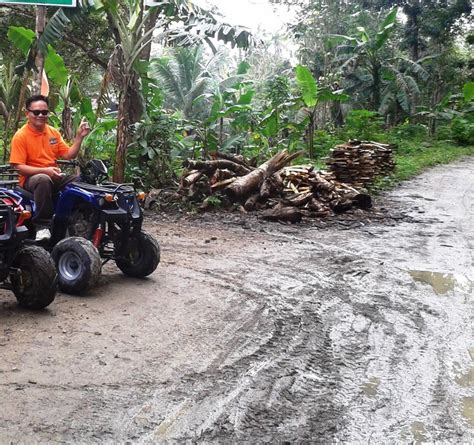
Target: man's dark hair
(36,98)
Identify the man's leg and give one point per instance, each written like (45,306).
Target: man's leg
(41,186)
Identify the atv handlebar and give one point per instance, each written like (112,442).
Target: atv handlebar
(93,171)
(68,162)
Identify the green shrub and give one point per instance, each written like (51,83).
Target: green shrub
(462,131)
(443,133)
(152,158)
(410,131)
(364,125)
(325,141)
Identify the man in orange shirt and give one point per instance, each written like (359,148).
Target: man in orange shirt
(34,150)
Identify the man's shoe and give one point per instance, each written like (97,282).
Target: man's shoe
(43,235)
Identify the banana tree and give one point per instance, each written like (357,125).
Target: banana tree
(70,95)
(25,40)
(312,95)
(365,52)
(133,23)
(9,91)
(128,26)
(230,98)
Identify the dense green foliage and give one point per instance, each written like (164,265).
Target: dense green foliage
(387,70)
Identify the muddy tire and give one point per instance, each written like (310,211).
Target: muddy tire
(78,264)
(140,257)
(36,285)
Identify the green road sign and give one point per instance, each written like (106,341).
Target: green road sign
(58,3)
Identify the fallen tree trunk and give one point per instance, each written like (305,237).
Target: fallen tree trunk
(287,214)
(251,182)
(221,184)
(211,166)
(271,186)
(251,202)
(238,159)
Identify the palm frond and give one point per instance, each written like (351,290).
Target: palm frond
(169,80)
(404,101)
(59,23)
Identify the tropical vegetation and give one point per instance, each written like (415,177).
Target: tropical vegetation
(166,80)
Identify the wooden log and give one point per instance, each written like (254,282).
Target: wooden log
(271,186)
(341,205)
(299,200)
(220,175)
(211,166)
(191,178)
(286,214)
(221,184)
(238,159)
(198,190)
(362,200)
(251,202)
(250,183)
(316,205)
(320,184)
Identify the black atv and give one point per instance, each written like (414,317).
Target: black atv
(27,270)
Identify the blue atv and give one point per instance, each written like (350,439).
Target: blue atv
(96,221)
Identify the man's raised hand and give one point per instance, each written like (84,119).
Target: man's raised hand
(83,129)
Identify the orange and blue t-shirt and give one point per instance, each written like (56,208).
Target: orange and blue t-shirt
(36,149)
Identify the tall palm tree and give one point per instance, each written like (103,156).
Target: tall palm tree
(183,77)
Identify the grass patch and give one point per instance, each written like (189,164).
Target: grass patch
(414,157)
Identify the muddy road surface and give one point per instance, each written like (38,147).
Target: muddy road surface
(350,330)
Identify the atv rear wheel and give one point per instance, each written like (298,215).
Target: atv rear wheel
(139,257)
(78,263)
(36,283)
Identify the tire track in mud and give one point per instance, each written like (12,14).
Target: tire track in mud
(285,334)
(405,340)
(339,340)
(267,385)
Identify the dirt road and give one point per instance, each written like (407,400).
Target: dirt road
(353,331)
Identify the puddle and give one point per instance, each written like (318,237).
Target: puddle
(418,432)
(371,387)
(466,380)
(468,409)
(471,353)
(442,282)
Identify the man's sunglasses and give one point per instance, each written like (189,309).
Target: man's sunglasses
(38,112)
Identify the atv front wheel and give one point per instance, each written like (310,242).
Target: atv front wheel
(139,257)
(36,282)
(78,264)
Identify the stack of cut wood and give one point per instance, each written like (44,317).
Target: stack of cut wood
(360,162)
(285,193)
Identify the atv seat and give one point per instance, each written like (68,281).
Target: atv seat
(23,192)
